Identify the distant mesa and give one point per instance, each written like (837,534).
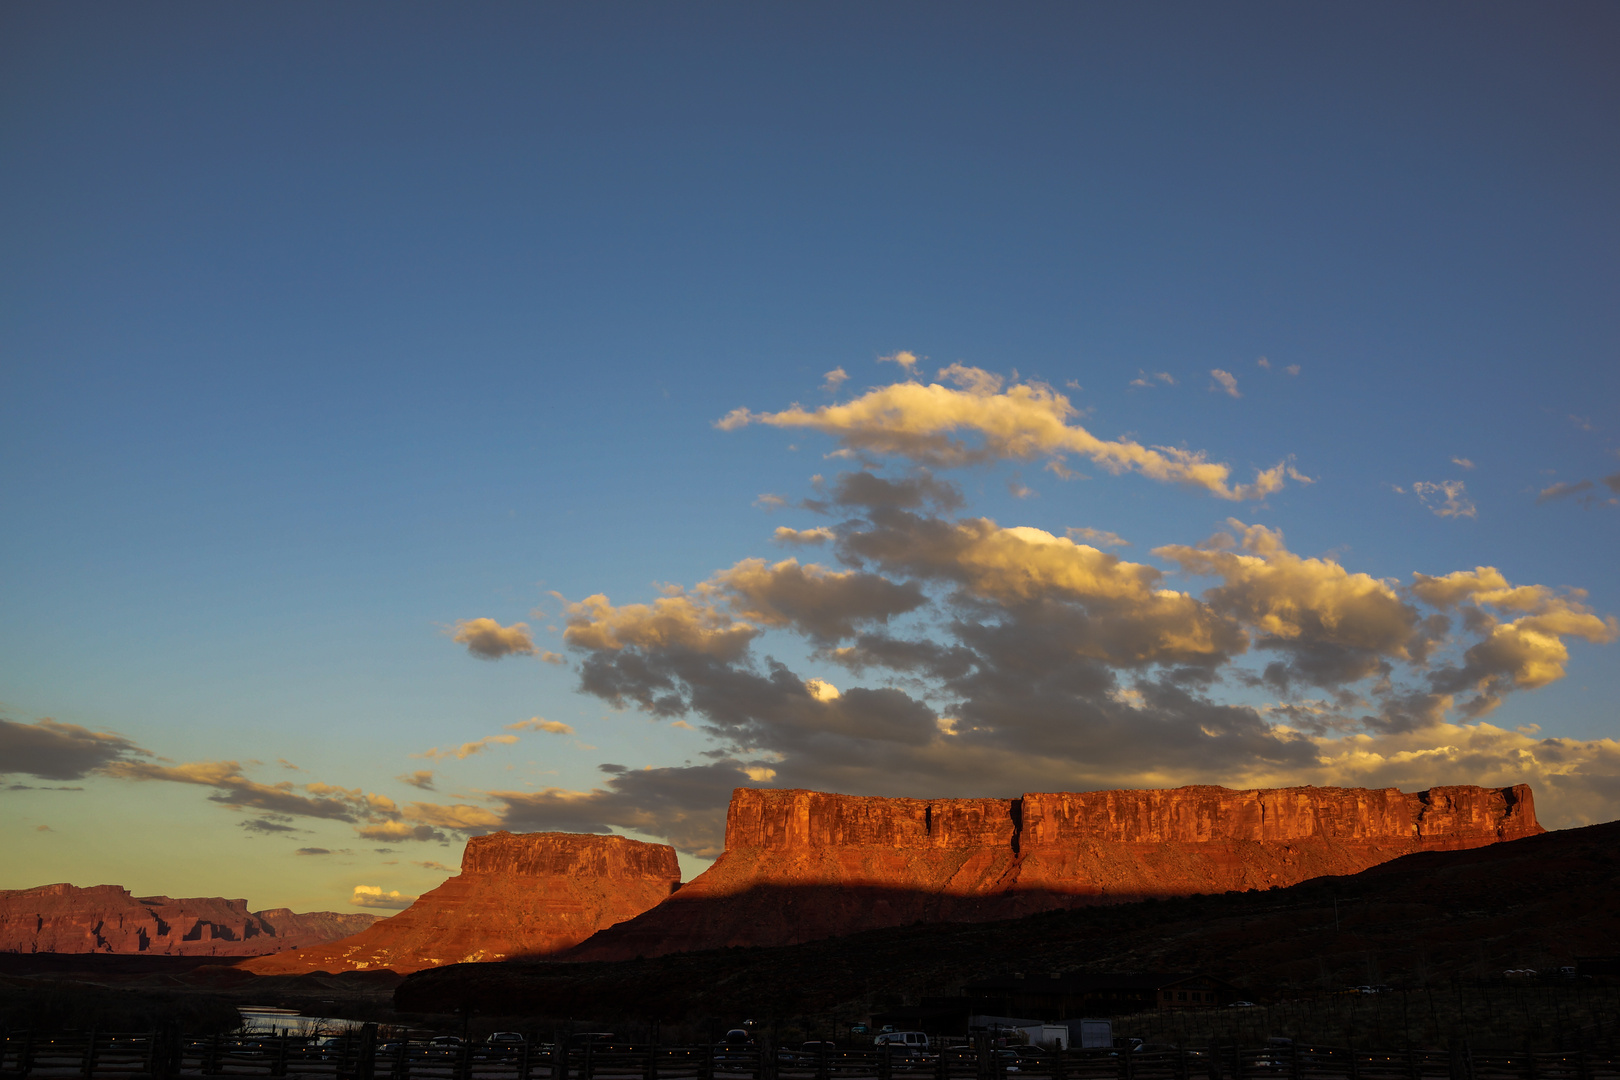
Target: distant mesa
(108,919)
(800,866)
(804,865)
(529,894)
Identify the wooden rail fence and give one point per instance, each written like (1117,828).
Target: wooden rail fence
(167,1055)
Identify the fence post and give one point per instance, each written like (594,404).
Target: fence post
(559,1056)
(25,1056)
(1454,1062)
(1060,1073)
(886,1063)
(402,1060)
(1529,1062)
(587,1071)
(89,1066)
(523,1058)
(278,1067)
(365,1062)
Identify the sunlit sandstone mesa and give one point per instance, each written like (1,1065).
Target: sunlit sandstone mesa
(108,919)
(801,865)
(527,894)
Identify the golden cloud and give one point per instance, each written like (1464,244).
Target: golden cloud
(468,749)
(1022,421)
(489,640)
(673,621)
(1292,598)
(535,723)
(821,602)
(234,789)
(803,537)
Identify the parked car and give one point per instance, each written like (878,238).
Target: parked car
(1005,1060)
(906,1058)
(502,1045)
(441,1046)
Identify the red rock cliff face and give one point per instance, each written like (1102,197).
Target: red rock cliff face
(528,894)
(106,918)
(801,865)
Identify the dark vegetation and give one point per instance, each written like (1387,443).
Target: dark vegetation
(74,1006)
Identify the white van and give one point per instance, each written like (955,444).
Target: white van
(902,1038)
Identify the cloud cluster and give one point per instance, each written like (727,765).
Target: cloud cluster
(932,651)
(1000,659)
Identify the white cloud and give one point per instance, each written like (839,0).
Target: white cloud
(372,896)
(1227,381)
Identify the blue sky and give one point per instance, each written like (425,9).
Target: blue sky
(327,330)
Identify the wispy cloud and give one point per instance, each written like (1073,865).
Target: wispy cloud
(536,723)
(1447,499)
(1100,537)
(467,749)
(1581,490)
(802,537)
(1227,381)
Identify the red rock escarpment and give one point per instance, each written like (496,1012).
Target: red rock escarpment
(802,865)
(529,894)
(107,919)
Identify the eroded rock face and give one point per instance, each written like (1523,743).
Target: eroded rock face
(526,894)
(108,919)
(802,865)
